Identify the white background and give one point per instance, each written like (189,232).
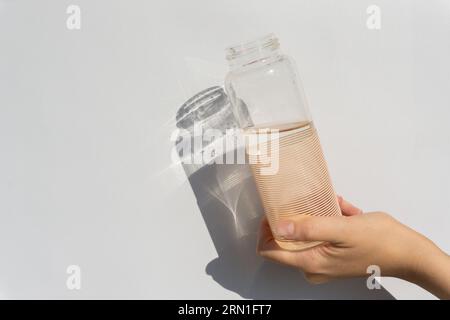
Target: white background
(86,116)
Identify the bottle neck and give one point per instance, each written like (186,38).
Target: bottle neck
(260,51)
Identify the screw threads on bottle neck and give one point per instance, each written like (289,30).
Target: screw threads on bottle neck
(252,52)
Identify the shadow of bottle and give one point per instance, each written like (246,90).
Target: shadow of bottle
(231,209)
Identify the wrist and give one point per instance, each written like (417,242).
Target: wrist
(430,269)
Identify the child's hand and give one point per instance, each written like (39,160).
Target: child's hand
(355,241)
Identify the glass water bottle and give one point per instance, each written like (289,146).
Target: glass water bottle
(266,82)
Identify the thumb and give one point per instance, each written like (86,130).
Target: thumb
(310,228)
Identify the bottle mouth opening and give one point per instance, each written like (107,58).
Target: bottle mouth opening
(260,46)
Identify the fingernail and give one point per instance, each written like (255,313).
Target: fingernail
(285,229)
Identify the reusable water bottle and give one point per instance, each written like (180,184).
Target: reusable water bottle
(267,83)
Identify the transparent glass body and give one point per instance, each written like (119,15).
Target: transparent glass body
(266,83)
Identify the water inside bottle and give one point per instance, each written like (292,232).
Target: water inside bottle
(302,185)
